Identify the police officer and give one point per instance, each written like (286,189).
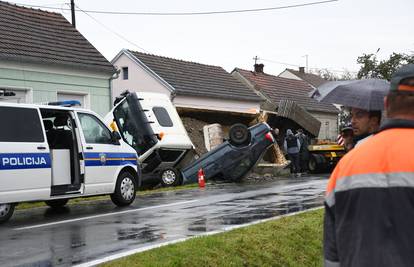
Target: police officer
(369,204)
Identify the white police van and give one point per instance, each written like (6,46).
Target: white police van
(52,154)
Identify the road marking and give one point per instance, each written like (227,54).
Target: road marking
(103,215)
(225,229)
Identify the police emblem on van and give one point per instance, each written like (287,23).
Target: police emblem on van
(102,158)
(24,161)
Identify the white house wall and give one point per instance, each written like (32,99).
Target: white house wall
(329,125)
(139,79)
(205,103)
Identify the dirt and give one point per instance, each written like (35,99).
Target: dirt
(194,129)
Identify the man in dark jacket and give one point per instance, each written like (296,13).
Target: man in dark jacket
(369,204)
(304,151)
(292,148)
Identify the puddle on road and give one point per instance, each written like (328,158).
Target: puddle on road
(254,214)
(140,235)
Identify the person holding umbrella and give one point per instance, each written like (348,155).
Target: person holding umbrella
(364,97)
(369,202)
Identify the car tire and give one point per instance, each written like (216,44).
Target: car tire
(239,134)
(170,177)
(57,203)
(125,190)
(6,211)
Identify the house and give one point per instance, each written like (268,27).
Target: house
(312,79)
(286,93)
(44,58)
(191,86)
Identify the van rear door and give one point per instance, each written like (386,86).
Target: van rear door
(25,166)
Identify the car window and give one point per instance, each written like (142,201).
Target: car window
(20,125)
(94,130)
(162,116)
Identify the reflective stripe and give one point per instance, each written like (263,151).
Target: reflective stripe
(330,199)
(329,263)
(375,180)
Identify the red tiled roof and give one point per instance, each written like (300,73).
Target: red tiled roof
(278,88)
(190,78)
(37,36)
(310,78)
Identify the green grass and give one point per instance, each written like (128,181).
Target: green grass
(86,200)
(290,241)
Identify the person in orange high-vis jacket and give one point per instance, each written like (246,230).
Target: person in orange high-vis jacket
(369,204)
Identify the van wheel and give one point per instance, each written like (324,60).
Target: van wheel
(125,188)
(170,177)
(57,203)
(239,134)
(6,211)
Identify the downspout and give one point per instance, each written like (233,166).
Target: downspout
(113,77)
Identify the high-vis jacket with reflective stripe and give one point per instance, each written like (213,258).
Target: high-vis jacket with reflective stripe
(369,205)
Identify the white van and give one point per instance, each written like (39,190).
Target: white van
(150,124)
(52,154)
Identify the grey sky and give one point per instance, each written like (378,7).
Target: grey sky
(332,34)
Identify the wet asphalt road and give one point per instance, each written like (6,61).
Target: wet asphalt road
(83,233)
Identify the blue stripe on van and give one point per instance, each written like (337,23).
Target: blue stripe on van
(110,159)
(13,161)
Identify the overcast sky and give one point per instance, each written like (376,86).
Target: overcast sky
(333,34)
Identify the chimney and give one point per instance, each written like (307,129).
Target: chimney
(258,68)
(302,70)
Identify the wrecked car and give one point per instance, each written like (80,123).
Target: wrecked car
(235,157)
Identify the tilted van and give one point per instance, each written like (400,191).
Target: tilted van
(53,154)
(150,124)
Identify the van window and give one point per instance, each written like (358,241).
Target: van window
(20,125)
(94,130)
(162,116)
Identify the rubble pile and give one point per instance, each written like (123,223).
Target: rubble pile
(194,129)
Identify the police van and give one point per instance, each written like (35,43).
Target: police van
(54,153)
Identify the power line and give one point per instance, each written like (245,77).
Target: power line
(194,13)
(114,32)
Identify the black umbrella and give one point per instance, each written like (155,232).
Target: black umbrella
(365,94)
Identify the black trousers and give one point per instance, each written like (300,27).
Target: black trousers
(294,162)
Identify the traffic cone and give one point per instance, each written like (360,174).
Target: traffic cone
(201,180)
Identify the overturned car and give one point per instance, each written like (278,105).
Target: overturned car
(234,158)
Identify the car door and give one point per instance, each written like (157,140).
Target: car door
(100,154)
(25,166)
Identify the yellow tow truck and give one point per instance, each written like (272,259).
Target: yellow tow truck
(324,156)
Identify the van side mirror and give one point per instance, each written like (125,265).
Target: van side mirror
(116,137)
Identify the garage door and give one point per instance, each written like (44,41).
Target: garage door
(18,97)
(67,96)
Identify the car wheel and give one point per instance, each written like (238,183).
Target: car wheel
(239,134)
(57,203)
(170,177)
(6,211)
(125,188)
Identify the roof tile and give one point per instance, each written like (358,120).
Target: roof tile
(195,79)
(278,88)
(37,36)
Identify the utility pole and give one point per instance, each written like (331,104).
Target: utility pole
(255,60)
(72,9)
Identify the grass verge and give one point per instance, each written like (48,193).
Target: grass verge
(289,241)
(85,200)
